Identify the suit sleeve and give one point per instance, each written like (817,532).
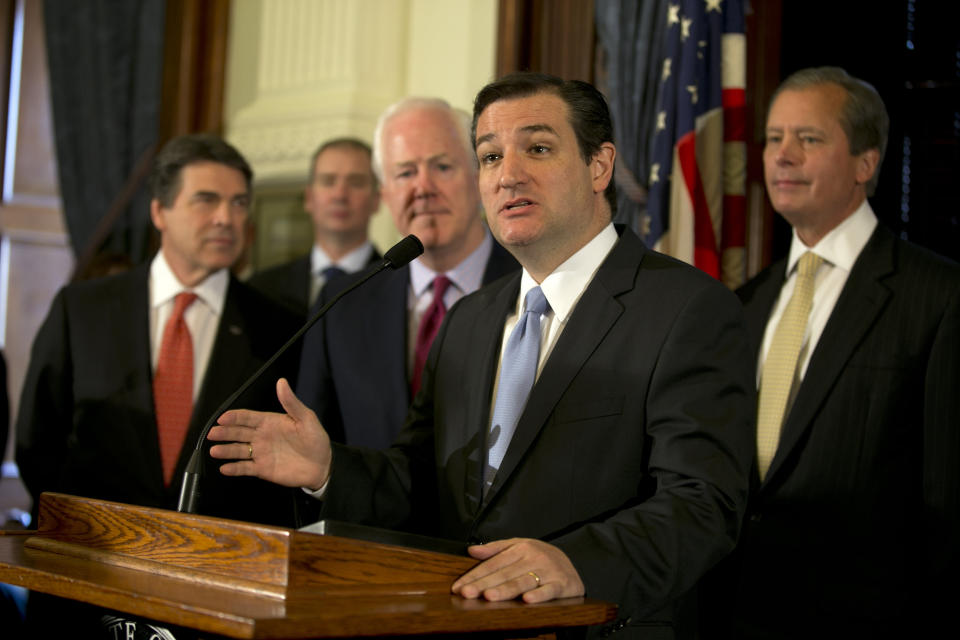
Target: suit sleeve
(45,414)
(699,420)
(941,458)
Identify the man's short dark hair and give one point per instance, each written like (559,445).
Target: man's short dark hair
(589,114)
(343,143)
(864,117)
(165,179)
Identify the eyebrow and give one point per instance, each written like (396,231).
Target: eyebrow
(799,129)
(434,158)
(530,128)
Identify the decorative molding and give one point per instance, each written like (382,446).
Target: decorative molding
(323,68)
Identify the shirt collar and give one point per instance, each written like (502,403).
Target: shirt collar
(350,263)
(564,286)
(164,285)
(467,276)
(841,246)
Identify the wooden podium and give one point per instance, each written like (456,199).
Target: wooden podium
(242,580)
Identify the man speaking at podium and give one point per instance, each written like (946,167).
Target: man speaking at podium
(588,420)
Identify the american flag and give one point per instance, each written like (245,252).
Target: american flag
(696,209)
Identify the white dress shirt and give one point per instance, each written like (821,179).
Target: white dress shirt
(562,289)
(202,317)
(839,250)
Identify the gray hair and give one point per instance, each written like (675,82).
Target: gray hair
(459,118)
(864,117)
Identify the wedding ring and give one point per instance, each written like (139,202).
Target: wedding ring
(250,451)
(535,577)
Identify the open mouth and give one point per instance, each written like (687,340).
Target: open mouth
(517,204)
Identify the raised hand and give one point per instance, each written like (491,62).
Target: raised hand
(291,448)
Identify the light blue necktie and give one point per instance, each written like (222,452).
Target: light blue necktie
(518,370)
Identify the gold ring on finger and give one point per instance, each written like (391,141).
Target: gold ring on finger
(535,577)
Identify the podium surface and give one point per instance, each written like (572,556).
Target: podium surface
(243,580)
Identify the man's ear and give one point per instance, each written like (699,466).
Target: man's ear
(156,215)
(601,166)
(867,163)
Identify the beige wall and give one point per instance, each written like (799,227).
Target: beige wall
(302,71)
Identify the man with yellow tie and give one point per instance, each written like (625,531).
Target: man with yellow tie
(852,528)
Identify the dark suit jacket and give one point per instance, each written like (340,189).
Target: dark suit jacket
(289,284)
(86,422)
(854,530)
(632,453)
(353,369)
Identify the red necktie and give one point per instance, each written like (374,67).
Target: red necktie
(429,325)
(173,385)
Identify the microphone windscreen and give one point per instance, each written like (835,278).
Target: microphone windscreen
(404,251)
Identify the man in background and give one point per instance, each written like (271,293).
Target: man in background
(853,527)
(126,369)
(341,196)
(362,363)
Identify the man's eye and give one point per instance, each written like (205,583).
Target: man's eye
(488,158)
(358,182)
(539,148)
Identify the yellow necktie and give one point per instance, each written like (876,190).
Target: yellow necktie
(780,367)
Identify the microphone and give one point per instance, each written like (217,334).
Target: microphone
(397,256)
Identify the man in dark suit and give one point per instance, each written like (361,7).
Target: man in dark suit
(341,196)
(624,475)
(361,364)
(89,414)
(853,527)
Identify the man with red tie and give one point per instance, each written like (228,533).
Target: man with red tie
(360,366)
(126,369)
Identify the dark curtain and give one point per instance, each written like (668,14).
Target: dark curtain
(105,61)
(630,35)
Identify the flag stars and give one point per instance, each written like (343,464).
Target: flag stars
(673,14)
(701,45)
(685,29)
(694,94)
(645,225)
(661,121)
(667,64)
(654,173)
(713,5)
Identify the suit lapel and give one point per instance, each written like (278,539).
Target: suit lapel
(486,327)
(591,320)
(134,307)
(858,307)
